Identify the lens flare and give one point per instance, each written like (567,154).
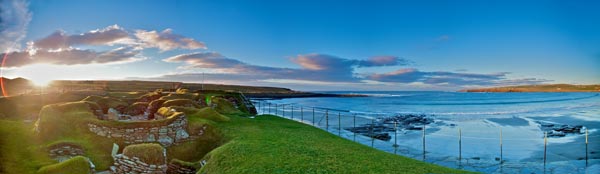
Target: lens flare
(4,93)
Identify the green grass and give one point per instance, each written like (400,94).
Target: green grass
(18,150)
(75,165)
(270,144)
(204,113)
(150,153)
(180,102)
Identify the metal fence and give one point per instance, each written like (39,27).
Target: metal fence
(486,150)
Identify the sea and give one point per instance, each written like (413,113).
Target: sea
(483,132)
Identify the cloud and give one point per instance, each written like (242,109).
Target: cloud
(411,75)
(72,57)
(166,40)
(382,61)
(14,19)
(206,60)
(314,67)
(106,36)
(332,69)
(443,38)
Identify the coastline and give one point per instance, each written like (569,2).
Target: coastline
(276,95)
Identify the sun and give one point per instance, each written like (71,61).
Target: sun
(40,75)
(41,82)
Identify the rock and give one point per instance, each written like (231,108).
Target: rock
(165,140)
(181,134)
(150,138)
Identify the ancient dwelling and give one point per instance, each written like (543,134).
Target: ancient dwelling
(148,125)
(142,159)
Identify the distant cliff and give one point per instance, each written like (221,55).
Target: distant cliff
(20,86)
(540,88)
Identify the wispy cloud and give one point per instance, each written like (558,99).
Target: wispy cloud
(323,68)
(315,67)
(72,57)
(411,75)
(166,40)
(61,40)
(14,19)
(61,48)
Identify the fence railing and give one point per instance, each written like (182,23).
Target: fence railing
(419,137)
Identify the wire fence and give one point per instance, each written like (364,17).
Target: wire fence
(421,137)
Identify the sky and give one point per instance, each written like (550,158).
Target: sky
(305,45)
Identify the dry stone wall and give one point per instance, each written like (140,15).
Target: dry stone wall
(125,164)
(166,134)
(176,168)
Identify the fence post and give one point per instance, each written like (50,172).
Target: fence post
(459,145)
(283,110)
(501,146)
(326,119)
(395,134)
(276,111)
(372,132)
(423,142)
(269,107)
(292,106)
(586,146)
(354,128)
(301,113)
(313,116)
(545,146)
(339,124)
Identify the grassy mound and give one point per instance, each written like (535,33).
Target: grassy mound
(181,102)
(150,153)
(190,96)
(53,119)
(204,113)
(223,106)
(106,102)
(270,144)
(67,122)
(75,165)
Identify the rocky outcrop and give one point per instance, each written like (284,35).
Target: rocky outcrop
(167,134)
(125,164)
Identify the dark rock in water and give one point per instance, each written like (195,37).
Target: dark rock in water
(413,128)
(556,134)
(560,130)
(379,129)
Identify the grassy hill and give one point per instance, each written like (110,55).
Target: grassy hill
(540,88)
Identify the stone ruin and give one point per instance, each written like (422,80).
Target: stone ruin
(166,134)
(126,164)
(64,151)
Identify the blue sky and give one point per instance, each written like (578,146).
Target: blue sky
(307,45)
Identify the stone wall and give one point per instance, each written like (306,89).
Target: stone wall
(176,168)
(125,164)
(64,152)
(166,134)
